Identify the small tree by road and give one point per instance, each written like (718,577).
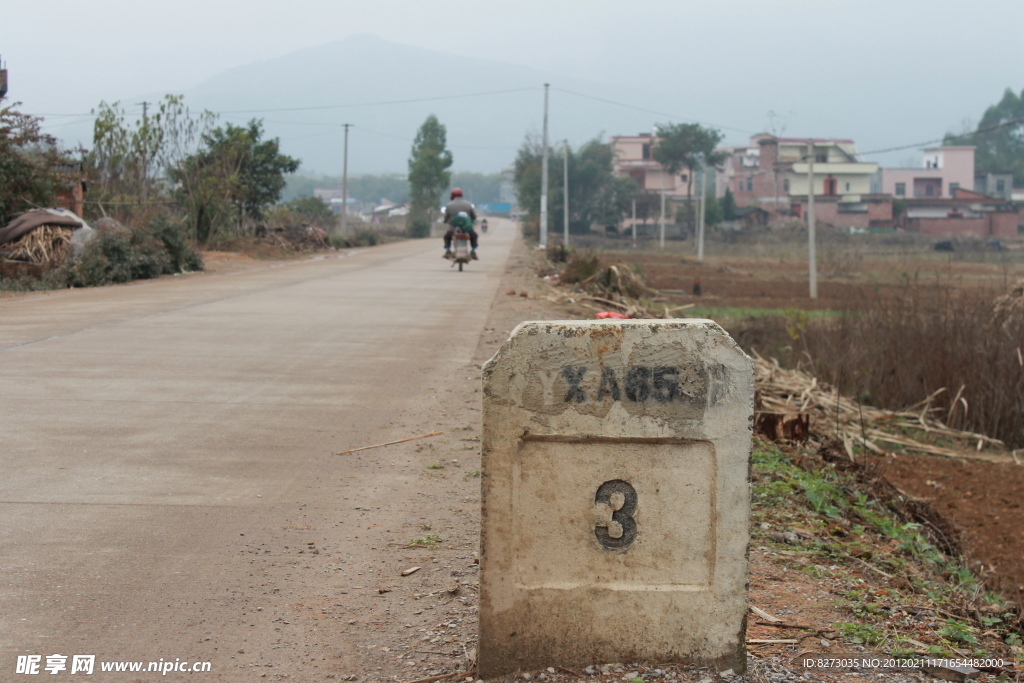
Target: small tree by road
(428,174)
(596,194)
(690,146)
(231,180)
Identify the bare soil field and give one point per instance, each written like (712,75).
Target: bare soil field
(982,498)
(849,275)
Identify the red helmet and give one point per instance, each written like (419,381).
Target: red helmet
(456,193)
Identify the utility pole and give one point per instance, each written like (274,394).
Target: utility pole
(565,186)
(634,223)
(700,219)
(661,239)
(812,257)
(544,177)
(344,182)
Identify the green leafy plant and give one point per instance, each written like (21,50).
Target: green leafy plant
(860,633)
(957,631)
(428,541)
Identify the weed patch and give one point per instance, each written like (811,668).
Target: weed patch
(428,541)
(847,516)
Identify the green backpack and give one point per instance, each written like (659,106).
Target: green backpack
(462,220)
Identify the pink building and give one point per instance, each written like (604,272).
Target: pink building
(943,171)
(633,158)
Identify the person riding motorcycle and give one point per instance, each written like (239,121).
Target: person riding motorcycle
(457,205)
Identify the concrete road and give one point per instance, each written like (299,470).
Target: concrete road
(145,429)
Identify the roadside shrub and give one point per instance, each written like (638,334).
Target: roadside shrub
(580,267)
(419,227)
(160,248)
(367,238)
(531,228)
(184,256)
(362,238)
(107,259)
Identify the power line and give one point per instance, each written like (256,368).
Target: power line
(336,106)
(382,103)
(651,111)
(980,131)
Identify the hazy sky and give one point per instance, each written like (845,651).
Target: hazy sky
(886,72)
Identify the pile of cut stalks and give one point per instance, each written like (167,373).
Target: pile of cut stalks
(47,246)
(796,392)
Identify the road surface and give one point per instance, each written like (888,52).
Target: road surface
(168,484)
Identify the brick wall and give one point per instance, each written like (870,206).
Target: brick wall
(1003,224)
(826,210)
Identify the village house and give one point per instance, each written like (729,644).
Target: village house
(771,173)
(995,184)
(965,213)
(943,171)
(633,158)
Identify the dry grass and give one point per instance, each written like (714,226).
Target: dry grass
(953,347)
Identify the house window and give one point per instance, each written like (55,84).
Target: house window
(953,187)
(929,190)
(901,189)
(1000,186)
(646,152)
(750,184)
(847,187)
(785,185)
(821,157)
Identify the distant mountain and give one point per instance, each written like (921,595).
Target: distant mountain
(388,89)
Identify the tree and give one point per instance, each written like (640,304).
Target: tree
(231,179)
(728,206)
(713,213)
(311,210)
(428,174)
(999,137)
(260,166)
(596,194)
(122,160)
(30,163)
(690,146)
(130,165)
(480,188)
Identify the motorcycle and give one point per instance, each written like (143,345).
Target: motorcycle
(460,248)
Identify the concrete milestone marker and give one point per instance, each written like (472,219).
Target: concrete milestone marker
(615,496)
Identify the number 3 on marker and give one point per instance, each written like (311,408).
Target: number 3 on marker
(618,530)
